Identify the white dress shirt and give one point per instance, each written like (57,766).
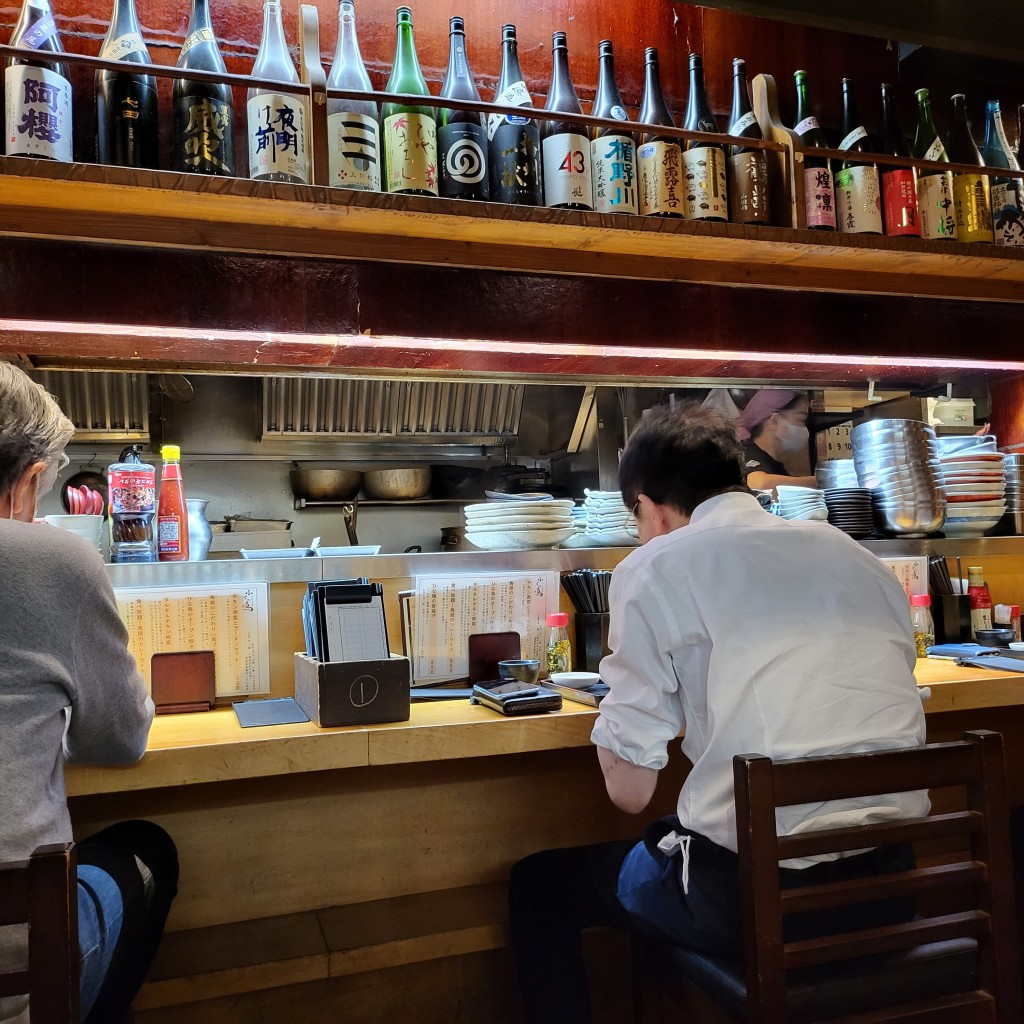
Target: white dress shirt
(758,635)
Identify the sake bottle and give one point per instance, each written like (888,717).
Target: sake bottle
(1007,214)
(37,94)
(513,141)
(858,190)
(278,138)
(706,192)
(565,148)
(353,137)
(934,187)
(748,167)
(612,152)
(971,199)
(126,104)
(204,115)
(659,158)
(410,132)
(819,190)
(899,193)
(461,136)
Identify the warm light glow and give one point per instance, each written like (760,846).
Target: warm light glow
(61,343)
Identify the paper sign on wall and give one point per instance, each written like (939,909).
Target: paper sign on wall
(232,620)
(911,572)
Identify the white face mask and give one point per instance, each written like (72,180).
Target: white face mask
(794,438)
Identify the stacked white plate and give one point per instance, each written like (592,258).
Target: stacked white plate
(609,522)
(974,481)
(519,525)
(801,503)
(849,508)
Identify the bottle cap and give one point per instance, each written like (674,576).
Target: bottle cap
(1014,611)
(921,600)
(558,619)
(170,451)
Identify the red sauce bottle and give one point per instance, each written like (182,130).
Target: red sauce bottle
(172,513)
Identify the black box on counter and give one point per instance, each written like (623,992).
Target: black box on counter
(951,614)
(591,640)
(353,692)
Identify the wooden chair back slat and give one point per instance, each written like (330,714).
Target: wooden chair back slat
(45,890)
(917,830)
(861,890)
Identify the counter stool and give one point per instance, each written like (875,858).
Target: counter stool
(959,965)
(42,893)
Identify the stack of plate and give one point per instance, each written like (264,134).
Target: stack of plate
(608,522)
(836,473)
(897,461)
(1013,467)
(849,508)
(975,487)
(519,525)
(801,503)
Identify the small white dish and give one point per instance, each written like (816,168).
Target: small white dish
(1016,645)
(577,680)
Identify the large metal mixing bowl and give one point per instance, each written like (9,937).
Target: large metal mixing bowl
(397,484)
(325,484)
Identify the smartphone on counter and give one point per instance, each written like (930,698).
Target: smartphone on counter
(512,697)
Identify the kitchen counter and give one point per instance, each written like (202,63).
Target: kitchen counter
(212,747)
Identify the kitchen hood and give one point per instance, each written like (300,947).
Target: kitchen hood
(104,406)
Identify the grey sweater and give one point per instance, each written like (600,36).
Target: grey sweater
(63,659)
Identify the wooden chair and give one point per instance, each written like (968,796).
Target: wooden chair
(960,965)
(42,893)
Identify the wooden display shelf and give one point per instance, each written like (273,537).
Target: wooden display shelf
(118,206)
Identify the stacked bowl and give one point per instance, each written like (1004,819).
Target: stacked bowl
(836,473)
(801,503)
(897,460)
(1013,466)
(974,483)
(519,525)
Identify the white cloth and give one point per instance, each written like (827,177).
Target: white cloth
(761,635)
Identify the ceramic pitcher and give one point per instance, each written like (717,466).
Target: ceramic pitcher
(199,533)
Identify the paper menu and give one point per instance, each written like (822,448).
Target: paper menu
(911,572)
(449,608)
(232,620)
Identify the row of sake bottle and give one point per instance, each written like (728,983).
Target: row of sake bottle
(430,150)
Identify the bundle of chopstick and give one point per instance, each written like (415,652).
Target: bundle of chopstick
(587,589)
(938,576)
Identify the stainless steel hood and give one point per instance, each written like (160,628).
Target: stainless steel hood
(104,406)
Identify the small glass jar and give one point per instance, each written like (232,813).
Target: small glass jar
(924,628)
(559,650)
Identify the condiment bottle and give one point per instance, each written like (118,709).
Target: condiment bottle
(172,512)
(981,600)
(132,502)
(1008,615)
(924,628)
(559,651)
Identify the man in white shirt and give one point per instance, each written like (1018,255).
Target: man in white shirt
(745,633)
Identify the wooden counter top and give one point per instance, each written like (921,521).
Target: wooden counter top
(212,747)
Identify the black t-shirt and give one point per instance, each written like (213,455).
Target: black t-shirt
(756,460)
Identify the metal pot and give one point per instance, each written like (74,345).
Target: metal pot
(397,484)
(325,484)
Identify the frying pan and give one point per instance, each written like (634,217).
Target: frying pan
(87,478)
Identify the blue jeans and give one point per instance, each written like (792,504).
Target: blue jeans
(127,878)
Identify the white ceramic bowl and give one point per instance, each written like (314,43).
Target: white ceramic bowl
(577,680)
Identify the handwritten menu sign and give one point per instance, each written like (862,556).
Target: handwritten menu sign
(232,620)
(911,572)
(448,609)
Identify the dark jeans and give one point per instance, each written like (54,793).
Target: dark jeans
(127,878)
(554,895)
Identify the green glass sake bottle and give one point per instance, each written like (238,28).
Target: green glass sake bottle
(819,189)
(409,130)
(972,202)
(934,187)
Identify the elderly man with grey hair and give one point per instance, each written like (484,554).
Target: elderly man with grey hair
(69,690)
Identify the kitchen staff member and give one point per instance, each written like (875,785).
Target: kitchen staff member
(773,424)
(69,690)
(728,626)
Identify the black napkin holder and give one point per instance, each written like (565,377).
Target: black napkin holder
(951,614)
(353,692)
(591,640)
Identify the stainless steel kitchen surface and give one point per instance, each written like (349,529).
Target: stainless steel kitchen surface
(240,436)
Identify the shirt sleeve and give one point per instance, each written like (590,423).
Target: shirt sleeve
(643,711)
(111,711)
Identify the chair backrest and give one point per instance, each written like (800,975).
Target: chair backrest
(42,893)
(985,869)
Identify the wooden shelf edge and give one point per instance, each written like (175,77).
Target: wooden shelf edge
(115,206)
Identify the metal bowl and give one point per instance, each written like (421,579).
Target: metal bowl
(325,484)
(397,484)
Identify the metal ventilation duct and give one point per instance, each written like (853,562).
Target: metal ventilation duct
(103,406)
(426,411)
